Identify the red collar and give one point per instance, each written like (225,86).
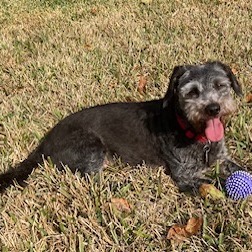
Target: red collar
(189,133)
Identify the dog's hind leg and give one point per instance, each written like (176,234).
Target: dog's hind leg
(80,151)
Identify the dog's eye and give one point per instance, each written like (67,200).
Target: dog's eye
(194,93)
(219,85)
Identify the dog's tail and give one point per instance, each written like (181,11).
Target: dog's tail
(20,172)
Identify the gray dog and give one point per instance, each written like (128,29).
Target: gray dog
(183,132)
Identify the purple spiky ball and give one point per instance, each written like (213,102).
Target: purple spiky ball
(239,185)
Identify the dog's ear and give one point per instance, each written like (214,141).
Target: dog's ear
(178,71)
(234,82)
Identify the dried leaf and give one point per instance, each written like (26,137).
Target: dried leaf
(94,11)
(177,233)
(88,47)
(234,70)
(249,98)
(142,84)
(193,225)
(121,204)
(210,190)
(180,233)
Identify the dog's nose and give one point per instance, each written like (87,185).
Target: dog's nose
(213,109)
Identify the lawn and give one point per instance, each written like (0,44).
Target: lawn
(58,56)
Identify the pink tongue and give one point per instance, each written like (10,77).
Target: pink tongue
(214,130)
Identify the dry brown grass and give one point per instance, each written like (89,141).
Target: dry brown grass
(58,56)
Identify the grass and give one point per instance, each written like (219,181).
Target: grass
(59,56)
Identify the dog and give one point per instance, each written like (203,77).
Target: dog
(183,132)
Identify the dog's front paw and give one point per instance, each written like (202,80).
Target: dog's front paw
(228,167)
(192,186)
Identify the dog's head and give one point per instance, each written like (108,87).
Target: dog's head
(203,94)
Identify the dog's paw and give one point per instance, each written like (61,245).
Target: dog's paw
(228,167)
(193,186)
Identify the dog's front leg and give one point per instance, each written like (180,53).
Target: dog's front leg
(227,167)
(189,178)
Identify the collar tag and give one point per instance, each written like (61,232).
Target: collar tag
(206,149)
